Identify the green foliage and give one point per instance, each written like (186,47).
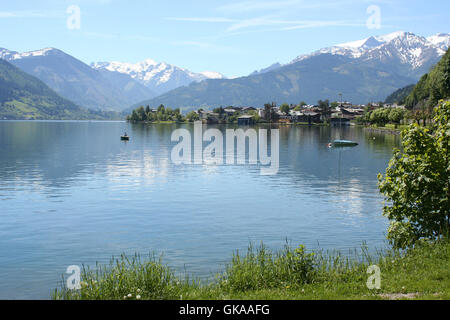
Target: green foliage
(285,108)
(382,116)
(416,183)
(399,96)
(261,269)
(396,115)
(161,114)
(269,112)
(334,104)
(325,108)
(433,86)
(260,274)
(126,279)
(192,116)
(23,96)
(218,110)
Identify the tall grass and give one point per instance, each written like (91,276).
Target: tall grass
(128,278)
(262,270)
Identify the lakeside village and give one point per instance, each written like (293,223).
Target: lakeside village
(324,112)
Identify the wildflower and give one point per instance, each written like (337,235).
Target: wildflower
(138,290)
(130,295)
(138,297)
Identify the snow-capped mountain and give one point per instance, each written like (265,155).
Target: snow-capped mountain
(407,47)
(403,47)
(365,70)
(78,82)
(160,77)
(6,54)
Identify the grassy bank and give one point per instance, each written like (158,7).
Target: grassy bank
(422,272)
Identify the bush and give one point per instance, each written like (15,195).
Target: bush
(262,269)
(416,183)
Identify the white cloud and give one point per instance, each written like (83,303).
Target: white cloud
(207,19)
(240,24)
(247,6)
(30,14)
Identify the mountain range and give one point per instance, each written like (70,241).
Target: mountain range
(159,77)
(78,82)
(363,71)
(23,96)
(102,86)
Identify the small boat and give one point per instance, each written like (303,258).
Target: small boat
(343,143)
(125,137)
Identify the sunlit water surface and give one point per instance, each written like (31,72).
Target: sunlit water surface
(72,193)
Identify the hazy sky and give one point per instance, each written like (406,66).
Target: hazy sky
(231,37)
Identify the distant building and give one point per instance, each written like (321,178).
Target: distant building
(212,118)
(245,120)
(351,113)
(229,111)
(310,117)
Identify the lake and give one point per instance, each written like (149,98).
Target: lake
(73,193)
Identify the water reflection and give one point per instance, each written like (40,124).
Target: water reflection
(72,192)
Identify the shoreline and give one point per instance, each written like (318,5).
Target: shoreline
(289,274)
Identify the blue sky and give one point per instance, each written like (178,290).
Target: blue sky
(231,37)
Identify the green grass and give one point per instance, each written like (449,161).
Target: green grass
(423,272)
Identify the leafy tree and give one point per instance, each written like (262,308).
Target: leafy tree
(141,114)
(416,183)
(192,116)
(432,86)
(334,105)
(396,115)
(285,108)
(269,112)
(400,95)
(134,116)
(151,117)
(219,110)
(161,108)
(325,108)
(379,116)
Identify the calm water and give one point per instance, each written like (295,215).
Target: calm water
(73,193)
